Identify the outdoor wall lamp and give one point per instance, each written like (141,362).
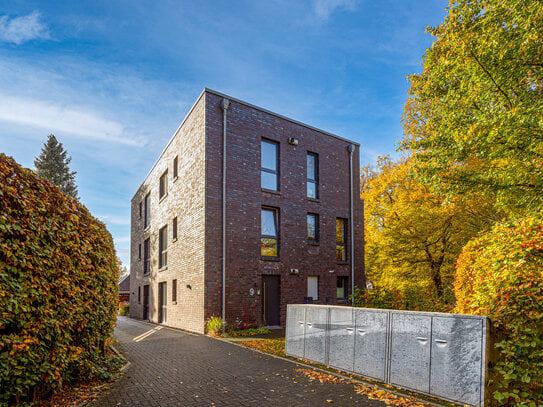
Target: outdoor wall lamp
(189,287)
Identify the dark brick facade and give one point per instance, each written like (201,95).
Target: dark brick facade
(246,126)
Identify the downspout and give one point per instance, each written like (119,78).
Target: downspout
(225,103)
(351,149)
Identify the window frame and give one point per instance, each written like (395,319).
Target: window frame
(317,227)
(277,231)
(267,170)
(344,244)
(163,185)
(163,247)
(147,256)
(315,180)
(147,204)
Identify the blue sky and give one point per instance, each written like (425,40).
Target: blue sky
(114,79)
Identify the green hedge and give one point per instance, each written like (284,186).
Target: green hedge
(58,287)
(500,275)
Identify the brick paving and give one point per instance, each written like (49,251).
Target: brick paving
(174,368)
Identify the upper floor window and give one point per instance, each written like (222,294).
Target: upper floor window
(341,239)
(174,290)
(139,294)
(270,165)
(270,233)
(140,209)
(139,251)
(313,227)
(175,165)
(312,175)
(147,204)
(163,188)
(146,256)
(163,247)
(174,227)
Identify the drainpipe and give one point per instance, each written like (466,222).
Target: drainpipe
(351,149)
(225,103)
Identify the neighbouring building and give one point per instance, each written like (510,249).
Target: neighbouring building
(292,229)
(124,288)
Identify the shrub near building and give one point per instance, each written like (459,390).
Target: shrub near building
(500,275)
(58,287)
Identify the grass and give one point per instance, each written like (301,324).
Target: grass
(248,332)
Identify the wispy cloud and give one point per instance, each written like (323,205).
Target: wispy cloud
(324,8)
(115,220)
(22,29)
(74,120)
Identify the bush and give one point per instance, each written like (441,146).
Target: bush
(215,326)
(500,274)
(249,332)
(410,299)
(58,287)
(124,309)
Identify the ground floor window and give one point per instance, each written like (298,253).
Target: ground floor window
(313,287)
(342,287)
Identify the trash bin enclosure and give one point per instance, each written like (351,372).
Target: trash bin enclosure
(442,355)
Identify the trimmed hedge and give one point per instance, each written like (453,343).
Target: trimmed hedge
(500,274)
(58,287)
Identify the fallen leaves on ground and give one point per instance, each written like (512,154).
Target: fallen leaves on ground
(389,398)
(321,377)
(272,346)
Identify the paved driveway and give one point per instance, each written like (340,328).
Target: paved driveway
(173,368)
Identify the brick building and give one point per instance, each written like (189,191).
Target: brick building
(293,219)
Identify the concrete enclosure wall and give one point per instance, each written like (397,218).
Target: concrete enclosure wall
(443,355)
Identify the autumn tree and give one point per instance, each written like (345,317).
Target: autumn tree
(414,236)
(53,165)
(474,121)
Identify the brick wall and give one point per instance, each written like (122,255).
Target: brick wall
(184,200)
(246,127)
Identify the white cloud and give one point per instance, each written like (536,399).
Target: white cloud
(21,29)
(324,8)
(52,118)
(115,220)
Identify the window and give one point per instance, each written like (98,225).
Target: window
(163,247)
(341,229)
(175,165)
(146,256)
(163,187)
(174,290)
(313,287)
(140,209)
(139,251)
(147,202)
(313,227)
(139,295)
(174,227)
(312,175)
(342,287)
(270,235)
(270,165)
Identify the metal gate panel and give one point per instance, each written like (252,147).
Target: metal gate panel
(370,348)
(410,351)
(341,338)
(316,320)
(457,359)
(294,344)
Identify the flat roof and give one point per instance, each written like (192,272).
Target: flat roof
(223,95)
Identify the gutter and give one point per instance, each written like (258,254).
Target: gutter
(224,105)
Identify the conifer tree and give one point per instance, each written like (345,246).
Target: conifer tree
(53,165)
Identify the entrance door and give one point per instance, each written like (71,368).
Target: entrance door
(145,302)
(162,302)
(271,300)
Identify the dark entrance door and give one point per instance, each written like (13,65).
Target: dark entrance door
(271,300)
(145,302)
(162,302)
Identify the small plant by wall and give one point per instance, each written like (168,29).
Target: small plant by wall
(500,275)
(214,326)
(58,287)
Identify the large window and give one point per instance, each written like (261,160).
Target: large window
(313,287)
(341,239)
(147,203)
(270,233)
(163,247)
(312,175)
(163,187)
(313,227)
(270,165)
(146,256)
(342,287)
